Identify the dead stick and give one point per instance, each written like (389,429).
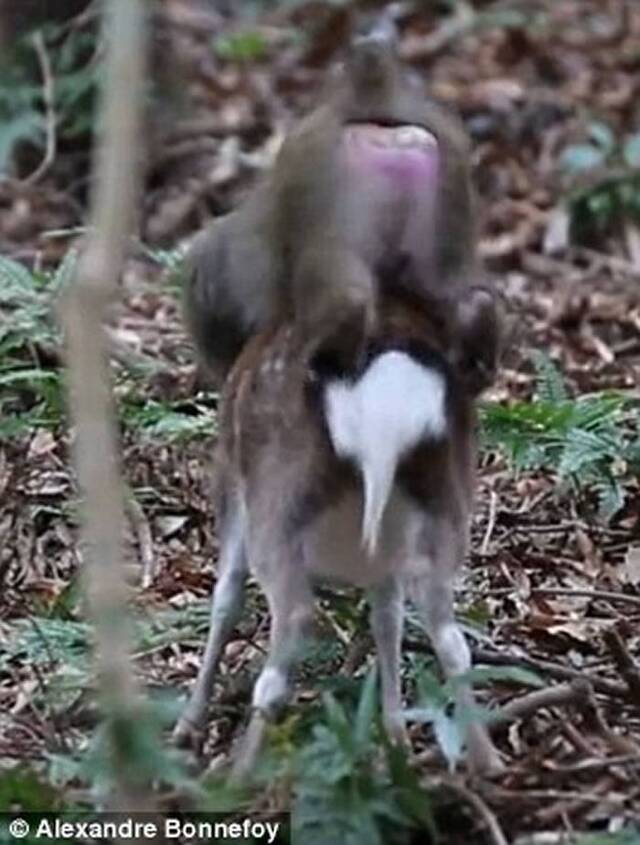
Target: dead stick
(140,525)
(50,105)
(486,814)
(501,658)
(595,720)
(602,763)
(624,662)
(575,737)
(526,705)
(491,521)
(592,594)
(562,673)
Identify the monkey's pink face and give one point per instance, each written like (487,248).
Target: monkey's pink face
(405,156)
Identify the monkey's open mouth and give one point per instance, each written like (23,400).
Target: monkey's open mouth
(406,136)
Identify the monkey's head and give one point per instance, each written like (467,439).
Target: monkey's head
(374,86)
(371,60)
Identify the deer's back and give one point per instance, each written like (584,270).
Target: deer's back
(280,447)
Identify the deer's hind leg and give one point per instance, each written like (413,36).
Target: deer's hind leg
(432,594)
(290,601)
(226,609)
(387,617)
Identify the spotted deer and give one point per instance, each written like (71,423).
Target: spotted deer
(363,477)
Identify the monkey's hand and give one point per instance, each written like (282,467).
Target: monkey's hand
(477,339)
(340,350)
(334,306)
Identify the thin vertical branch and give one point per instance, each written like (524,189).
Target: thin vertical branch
(95,443)
(49,97)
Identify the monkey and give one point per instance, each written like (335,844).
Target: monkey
(372,188)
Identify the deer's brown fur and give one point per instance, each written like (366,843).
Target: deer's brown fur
(290,499)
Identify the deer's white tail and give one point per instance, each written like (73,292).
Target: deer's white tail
(377,419)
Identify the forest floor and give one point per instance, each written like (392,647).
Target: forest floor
(553,578)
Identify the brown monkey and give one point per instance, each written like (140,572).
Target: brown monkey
(371,189)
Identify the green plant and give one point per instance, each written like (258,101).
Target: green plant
(171,261)
(32,385)
(75,77)
(31,391)
(133,742)
(169,421)
(604,175)
(247,46)
(26,299)
(436,703)
(22,789)
(20,116)
(352,786)
(590,442)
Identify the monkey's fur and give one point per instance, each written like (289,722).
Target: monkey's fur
(360,197)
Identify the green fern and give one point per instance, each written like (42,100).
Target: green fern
(550,387)
(31,395)
(352,785)
(590,442)
(170,421)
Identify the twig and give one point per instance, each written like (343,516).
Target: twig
(502,658)
(609,262)
(507,795)
(554,670)
(140,525)
(525,705)
(624,662)
(632,238)
(592,594)
(82,19)
(356,653)
(596,721)
(563,809)
(575,737)
(598,764)
(486,814)
(493,507)
(50,105)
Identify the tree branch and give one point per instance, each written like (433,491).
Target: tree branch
(48,86)
(95,446)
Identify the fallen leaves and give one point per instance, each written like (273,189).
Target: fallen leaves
(546,576)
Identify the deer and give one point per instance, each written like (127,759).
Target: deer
(360,474)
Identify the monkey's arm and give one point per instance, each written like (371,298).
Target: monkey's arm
(455,221)
(334,301)
(231,288)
